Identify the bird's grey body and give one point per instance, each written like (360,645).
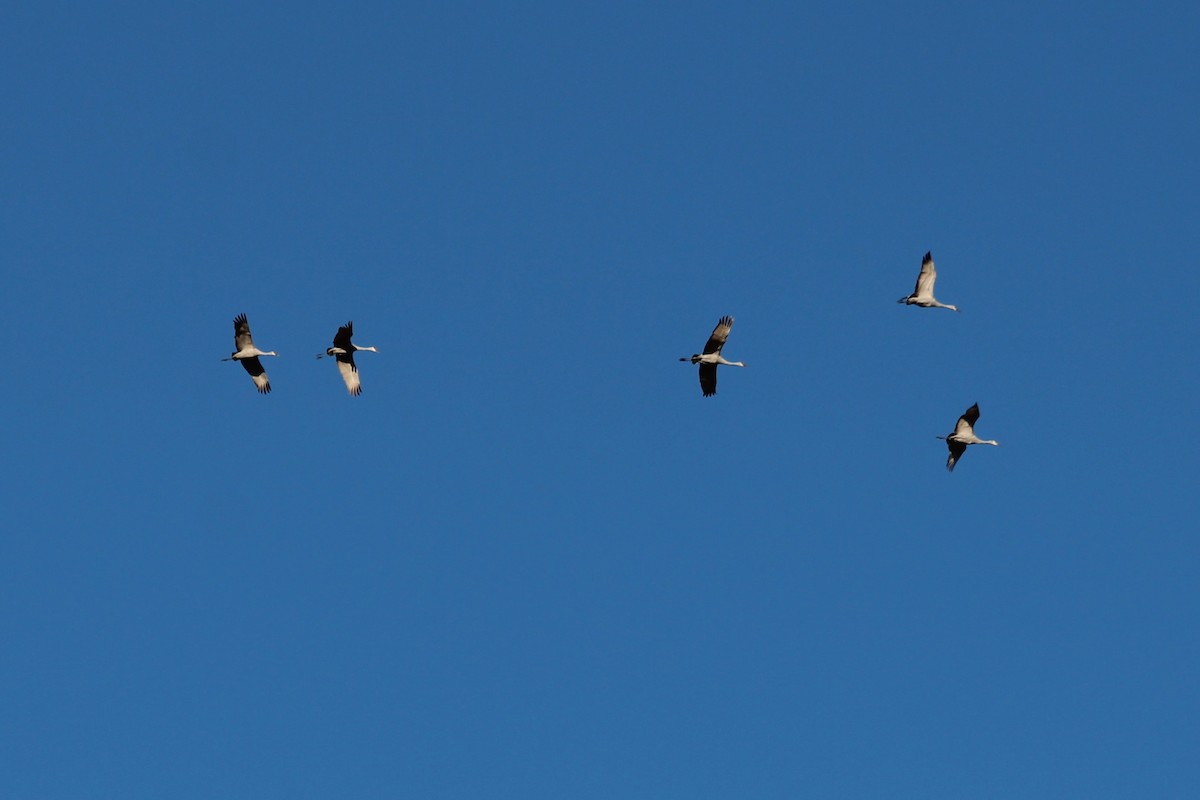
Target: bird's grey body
(964,435)
(922,295)
(711,357)
(343,350)
(248,354)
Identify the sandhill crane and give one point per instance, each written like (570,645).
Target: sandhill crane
(344,350)
(248,354)
(711,357)
(923,294)
(964,434)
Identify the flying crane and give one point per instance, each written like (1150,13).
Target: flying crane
(248,354)
(343,350)
(711,357)
(923,293)
(963,435)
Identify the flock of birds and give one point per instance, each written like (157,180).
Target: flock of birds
(343,351)
(922,295)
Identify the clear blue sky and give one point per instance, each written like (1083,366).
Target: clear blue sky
(531,561)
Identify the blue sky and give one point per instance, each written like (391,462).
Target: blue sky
(531,560)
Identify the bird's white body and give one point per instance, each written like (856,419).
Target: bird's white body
(714,358)
(923,293)
(250,352)
(337,351)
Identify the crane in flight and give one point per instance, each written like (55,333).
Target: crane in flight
(248,354)
(923,293)
(343,350)
(711,357)
(963,435)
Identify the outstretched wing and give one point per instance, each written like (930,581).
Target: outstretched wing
(342,340)
(708,379)
(241,334)
(966,423)
(257,373)
(349,372)
(717,340)
(926,278)
(956,451)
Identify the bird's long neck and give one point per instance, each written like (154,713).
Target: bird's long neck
(945,305)
(372,349)
(721,360)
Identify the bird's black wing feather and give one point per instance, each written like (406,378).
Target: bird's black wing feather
(971,415)
(342,340)
(257,373)
(241,333)
(956,451)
